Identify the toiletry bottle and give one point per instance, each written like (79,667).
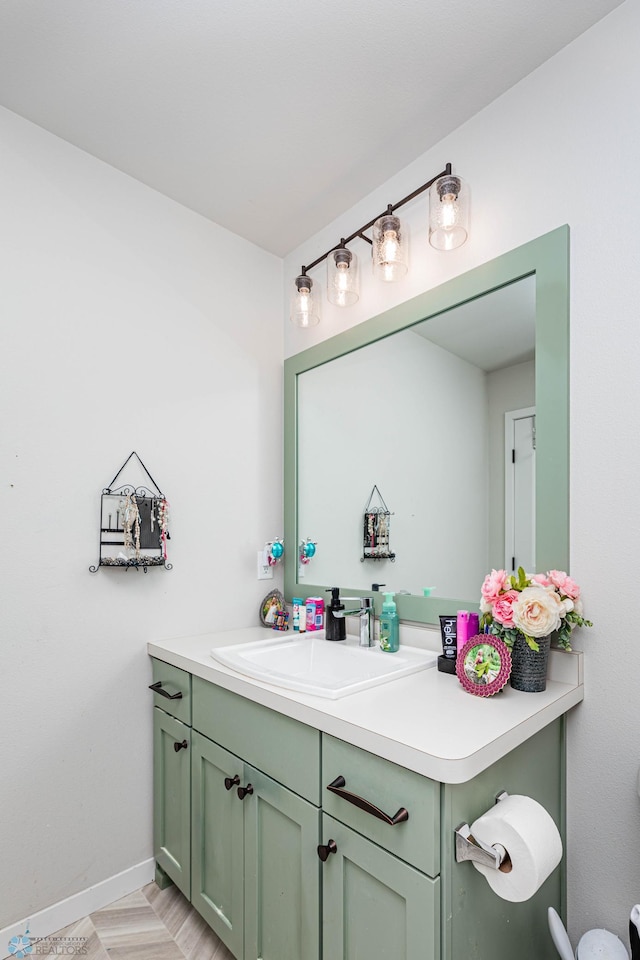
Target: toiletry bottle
(389,627)
(335,627)
(448,625)
(296,603)
(315,613)
(462,628)
(310,614)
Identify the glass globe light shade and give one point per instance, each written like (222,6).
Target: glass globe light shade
(389,249)
(304,310)
(448,213)
(342,278)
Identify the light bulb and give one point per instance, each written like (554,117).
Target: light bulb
(389,247)
(449,211)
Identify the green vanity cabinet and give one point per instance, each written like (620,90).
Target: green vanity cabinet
(172,774)
(236,816)
(375,905)
(243,812)
(255,871)
(282,873)
(381,839)
(217,886)
(476,923)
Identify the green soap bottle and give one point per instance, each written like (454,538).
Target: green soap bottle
(389,627)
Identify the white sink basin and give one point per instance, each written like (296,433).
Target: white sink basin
(312,664)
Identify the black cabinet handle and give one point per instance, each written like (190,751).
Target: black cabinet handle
(157,688)
(366,805)
(325,849)
(243,791)
(180,746)
(229,783)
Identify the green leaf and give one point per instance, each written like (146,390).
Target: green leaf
(532,643)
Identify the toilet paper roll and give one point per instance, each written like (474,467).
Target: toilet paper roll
(530,837)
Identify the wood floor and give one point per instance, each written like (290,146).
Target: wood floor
(151,924)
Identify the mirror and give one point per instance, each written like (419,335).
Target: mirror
(433,399)
(413,401)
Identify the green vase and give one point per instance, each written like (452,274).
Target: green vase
(529,667)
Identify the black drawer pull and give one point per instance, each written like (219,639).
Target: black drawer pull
(229,783)
(180,746)
(336,787)
(324,849)
(243,791)
(157,688)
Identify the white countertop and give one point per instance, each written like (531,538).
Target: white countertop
(425,722)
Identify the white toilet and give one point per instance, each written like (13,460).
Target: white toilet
(593,945)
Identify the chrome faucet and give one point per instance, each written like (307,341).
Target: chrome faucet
(365,612)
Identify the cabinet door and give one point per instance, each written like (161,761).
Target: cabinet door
(217,841)
(171,798)
(282,875)
(375,905)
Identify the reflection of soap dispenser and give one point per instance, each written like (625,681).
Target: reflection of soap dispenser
(335,627)
(389,627)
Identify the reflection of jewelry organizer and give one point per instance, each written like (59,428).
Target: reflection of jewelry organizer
(376,535)
(133,524)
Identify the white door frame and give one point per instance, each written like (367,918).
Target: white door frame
(509,491)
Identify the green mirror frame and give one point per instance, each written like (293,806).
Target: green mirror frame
(547,258)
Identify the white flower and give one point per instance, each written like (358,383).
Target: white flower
(538,612)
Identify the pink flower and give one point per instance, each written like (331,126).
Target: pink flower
(564,584)
(494,584)
(541,578)
(502,609)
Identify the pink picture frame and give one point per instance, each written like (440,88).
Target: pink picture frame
(483,666)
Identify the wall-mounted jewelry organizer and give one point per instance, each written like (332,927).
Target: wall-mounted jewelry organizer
(375,537)
(133,524)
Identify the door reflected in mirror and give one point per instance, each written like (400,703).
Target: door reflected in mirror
(425,414)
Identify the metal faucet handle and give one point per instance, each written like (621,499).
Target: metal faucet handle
(365,602)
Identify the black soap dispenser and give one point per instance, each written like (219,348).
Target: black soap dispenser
(336,627)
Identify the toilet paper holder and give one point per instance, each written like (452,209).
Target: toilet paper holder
(468,848)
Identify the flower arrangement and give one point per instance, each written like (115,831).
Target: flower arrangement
(533,605)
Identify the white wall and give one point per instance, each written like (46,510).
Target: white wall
(126,324)
(562,147)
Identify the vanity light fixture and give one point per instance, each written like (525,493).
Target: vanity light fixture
(448,213)
(448,229)
(342,277)
(389,250)
(304,312)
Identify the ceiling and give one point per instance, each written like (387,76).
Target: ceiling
(270,118)
(493,331)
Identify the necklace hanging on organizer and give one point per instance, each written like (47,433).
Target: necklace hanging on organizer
(376,529)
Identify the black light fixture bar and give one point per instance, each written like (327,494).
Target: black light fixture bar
(391,208)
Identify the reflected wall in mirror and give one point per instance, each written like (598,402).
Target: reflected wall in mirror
(431,400)
(414,401)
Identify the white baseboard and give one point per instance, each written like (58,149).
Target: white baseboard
(59,915)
